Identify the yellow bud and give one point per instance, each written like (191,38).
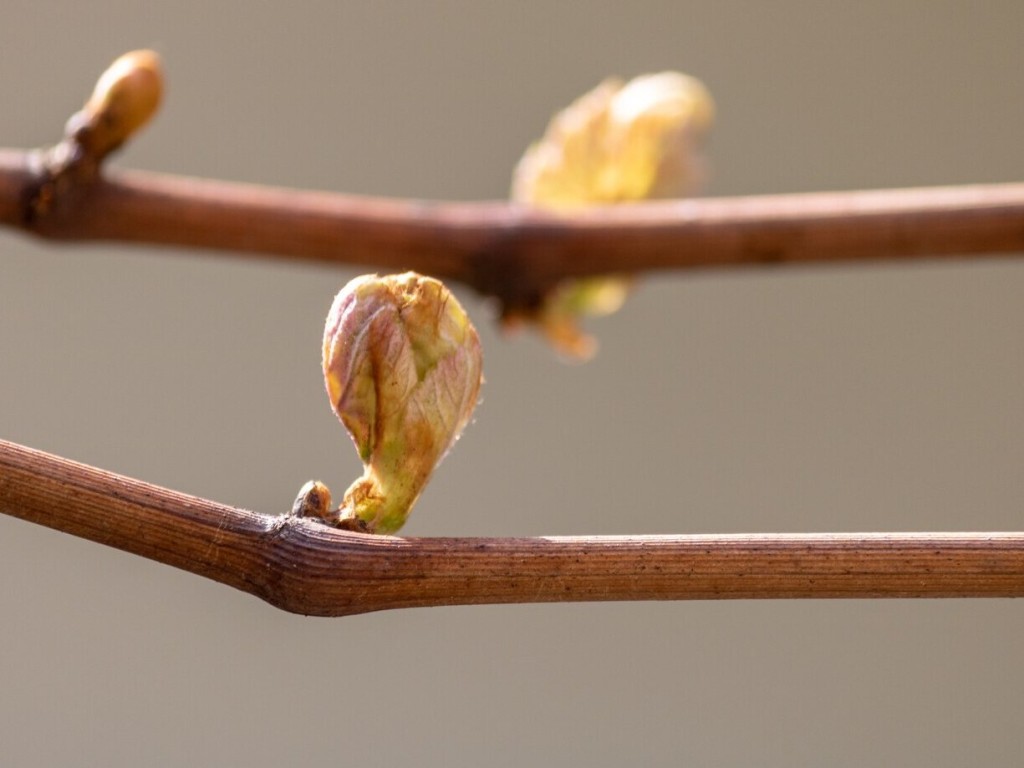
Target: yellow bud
(620,142)
(126,96)
(402,366)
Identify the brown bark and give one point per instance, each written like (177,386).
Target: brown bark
(514,252)
(303,566)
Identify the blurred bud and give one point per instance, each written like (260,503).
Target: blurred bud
(126,96)
(619,143)
(402,365)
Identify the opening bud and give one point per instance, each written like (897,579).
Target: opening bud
(620,142)
(403,366)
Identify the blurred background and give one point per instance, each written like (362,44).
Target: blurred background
(831,398)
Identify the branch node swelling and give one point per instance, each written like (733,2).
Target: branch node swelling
(126,96)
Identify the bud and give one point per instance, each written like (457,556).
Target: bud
(126,96)
(402,365)
(314,500)
(619,143)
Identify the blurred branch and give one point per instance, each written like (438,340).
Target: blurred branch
(511,251)
(303,566)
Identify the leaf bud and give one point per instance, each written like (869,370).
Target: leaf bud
(126,96)
(402,366)
(620,142)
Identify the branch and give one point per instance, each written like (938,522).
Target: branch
(511,251)
(305,567)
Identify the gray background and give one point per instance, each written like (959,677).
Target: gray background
(838,398)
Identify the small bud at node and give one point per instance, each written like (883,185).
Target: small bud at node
(314,500)
(126,96)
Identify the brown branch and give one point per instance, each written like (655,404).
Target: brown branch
(515,252)
(302,566)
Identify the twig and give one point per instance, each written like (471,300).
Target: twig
(514,252)
(302,566)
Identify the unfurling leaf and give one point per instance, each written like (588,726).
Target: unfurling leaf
(619,143)
(403,367)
